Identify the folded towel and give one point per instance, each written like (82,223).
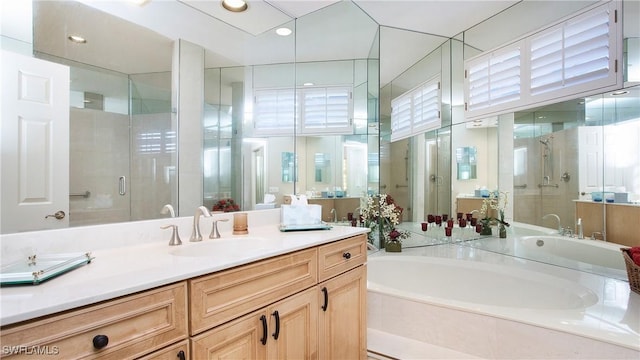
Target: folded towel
(636,258)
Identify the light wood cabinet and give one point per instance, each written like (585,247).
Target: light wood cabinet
(342,322)
(619,220)
(327,320)
(124,328)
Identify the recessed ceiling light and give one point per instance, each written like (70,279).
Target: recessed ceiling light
(283,31)
(234,5)
(308,84)
(621,92)
(77,39)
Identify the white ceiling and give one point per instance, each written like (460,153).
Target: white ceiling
(326,30)
(142,37)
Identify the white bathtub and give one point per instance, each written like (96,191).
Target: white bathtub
(493,306)
(470,284)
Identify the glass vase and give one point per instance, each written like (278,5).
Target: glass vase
(486,230)
(503,232)
(393,246)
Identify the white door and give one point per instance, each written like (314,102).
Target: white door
(590,153)
(35,144)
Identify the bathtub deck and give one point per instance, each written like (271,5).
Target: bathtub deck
(391,346)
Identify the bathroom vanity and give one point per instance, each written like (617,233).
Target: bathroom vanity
(283,295)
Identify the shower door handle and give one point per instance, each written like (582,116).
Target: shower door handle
(122,185)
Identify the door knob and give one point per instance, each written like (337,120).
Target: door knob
(58,215)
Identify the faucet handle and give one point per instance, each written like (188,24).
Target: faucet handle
(215,234)
(175,236)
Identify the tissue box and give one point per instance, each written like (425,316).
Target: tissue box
(301,214)
(265,206)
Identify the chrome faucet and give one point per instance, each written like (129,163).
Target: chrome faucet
(579,232)
(215,234)
(175,237)
(560,230)
(195,232)
(168,209)
(335,215)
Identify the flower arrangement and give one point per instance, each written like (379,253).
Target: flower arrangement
(499,203)
(226,205)
(381,211)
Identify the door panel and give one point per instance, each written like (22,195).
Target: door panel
(35,144)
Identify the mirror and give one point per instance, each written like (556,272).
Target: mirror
(230,158)
(282,108)
(466,161)
(322,168)
(289,165)
(122,140)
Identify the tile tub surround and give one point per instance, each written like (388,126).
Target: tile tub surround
(609,329)
(135,256)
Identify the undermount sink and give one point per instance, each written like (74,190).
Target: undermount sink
(222,247)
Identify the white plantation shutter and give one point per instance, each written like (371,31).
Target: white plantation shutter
(274,111)
(426,107)
(320,109)
(400,117)
(326,109)
(504,72)
(416,111)
(494,78)
(571,53)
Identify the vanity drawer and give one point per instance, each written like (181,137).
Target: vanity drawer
(134,325)
(228,294)
(340,256)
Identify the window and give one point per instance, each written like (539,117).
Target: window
(320,110)
(416,111)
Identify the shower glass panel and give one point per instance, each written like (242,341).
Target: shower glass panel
(154,146)
(98,146)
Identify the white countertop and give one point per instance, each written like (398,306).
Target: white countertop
(126,269)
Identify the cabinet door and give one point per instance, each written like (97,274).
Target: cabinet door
(179,351)
(287,329)
(239,339)
(293,327)
(342,322)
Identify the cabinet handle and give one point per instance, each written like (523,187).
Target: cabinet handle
(181,355)
(264,330)
(347,255)
(122,185)
(277,332)
(100,341)
(325,292)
